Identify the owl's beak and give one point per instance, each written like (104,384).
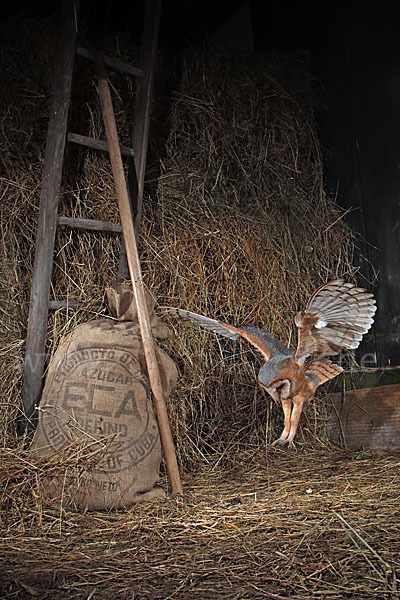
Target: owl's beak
(279,390)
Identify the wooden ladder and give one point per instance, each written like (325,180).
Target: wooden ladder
(48,218)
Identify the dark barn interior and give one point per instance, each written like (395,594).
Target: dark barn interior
(352,51)
(272,167)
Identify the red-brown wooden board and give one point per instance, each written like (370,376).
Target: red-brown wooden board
(367,418)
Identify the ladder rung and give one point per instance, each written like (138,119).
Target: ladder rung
(83,140)
(57,304)
(89,224)
(111,62)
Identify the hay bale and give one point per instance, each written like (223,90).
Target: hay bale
(236,222)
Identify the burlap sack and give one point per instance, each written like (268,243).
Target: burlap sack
(96,406)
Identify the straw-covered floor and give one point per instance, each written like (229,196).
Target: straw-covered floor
(236,226)
(322,525)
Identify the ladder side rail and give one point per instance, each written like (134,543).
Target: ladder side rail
(137,167)
(140,136)
(47,219)
(132,189)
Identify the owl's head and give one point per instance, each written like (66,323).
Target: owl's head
(289,382)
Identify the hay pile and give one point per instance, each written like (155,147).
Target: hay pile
(236,223)
(242,231)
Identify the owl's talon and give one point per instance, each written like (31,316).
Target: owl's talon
(283,442)
(279,442)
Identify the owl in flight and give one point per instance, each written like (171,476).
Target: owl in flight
(336,317)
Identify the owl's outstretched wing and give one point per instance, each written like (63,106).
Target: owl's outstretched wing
(337,316)
(261,339)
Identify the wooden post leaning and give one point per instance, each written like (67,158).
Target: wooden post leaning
(136,277)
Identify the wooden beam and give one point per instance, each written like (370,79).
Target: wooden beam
(128,231)
(51,181)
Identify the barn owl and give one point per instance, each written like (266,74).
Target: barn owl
(336,317)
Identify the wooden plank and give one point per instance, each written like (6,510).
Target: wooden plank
(96,144)
(367,418)
(89,224)
(111,62)
(51,181)
(137,282)
(148,56)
